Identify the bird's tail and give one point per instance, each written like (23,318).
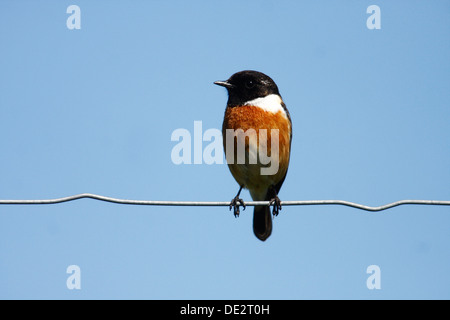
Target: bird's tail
(262,222)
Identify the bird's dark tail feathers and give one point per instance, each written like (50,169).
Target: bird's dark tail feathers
(262,222)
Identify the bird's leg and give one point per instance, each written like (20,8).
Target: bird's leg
(236,202)
(276,202)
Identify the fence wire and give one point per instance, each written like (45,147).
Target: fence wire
(224,203)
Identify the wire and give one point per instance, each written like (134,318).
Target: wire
(225,203)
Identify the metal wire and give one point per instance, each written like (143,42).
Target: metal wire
(226,203)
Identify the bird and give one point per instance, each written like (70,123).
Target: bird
(255,106)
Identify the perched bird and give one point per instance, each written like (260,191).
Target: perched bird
(255,107)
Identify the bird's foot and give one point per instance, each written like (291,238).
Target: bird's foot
(235,203)
(276,202)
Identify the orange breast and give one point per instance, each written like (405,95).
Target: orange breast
(254,118)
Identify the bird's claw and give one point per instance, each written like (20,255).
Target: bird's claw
(276,202)
(235,203)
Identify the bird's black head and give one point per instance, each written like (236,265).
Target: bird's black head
(247,85)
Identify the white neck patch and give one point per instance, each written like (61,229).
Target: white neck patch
(270,103)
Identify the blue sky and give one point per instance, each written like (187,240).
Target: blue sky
(93,110)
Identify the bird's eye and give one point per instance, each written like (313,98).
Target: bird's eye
(249,84)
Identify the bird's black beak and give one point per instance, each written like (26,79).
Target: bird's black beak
(225,84)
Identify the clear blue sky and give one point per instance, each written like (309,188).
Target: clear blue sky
(93,110)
